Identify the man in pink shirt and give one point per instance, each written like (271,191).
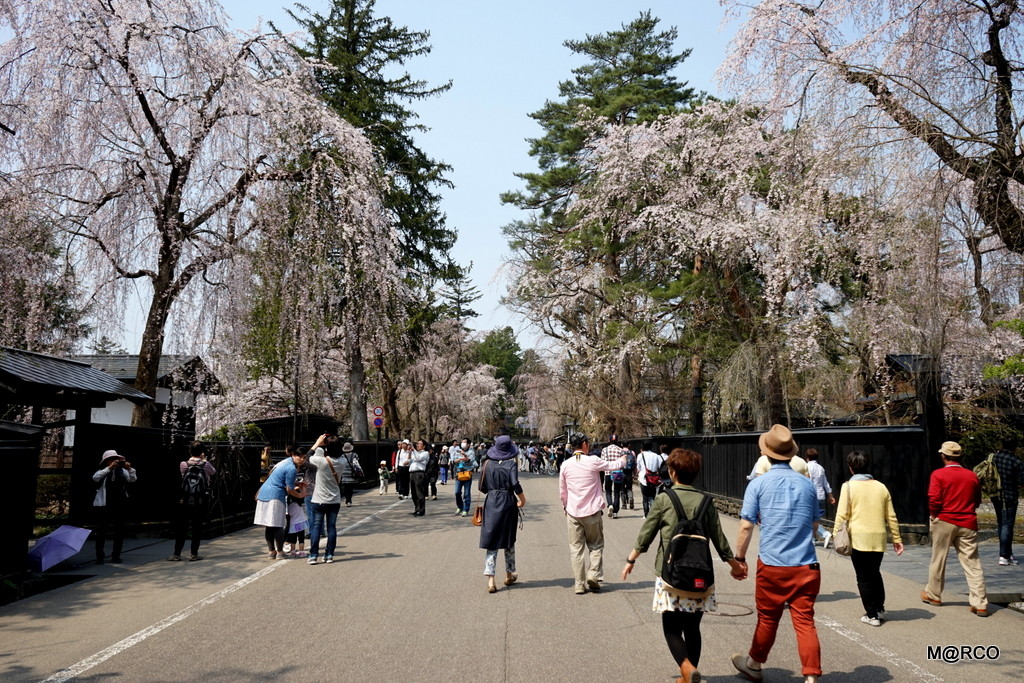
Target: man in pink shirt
(579,485)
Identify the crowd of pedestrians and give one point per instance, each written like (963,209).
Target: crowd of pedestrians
(786,496)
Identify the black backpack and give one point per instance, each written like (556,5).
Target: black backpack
(194,488)
(687,567)
(354,466)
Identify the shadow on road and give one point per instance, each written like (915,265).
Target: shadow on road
(343,556)
(908,615)
(835,596)
(862,674)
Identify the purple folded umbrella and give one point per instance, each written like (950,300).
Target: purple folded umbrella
(64,542)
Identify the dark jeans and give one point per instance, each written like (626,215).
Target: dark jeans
(418,484)
(109,520)
(432,486)
(1006,515)
(189,516)
(682,633)
(463,493)
(612,492)
(402,480)
(867,565)
(346,491)
(324,515)
(648,493)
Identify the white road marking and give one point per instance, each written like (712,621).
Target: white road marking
(134,639)
(366,519)
(890,656)
(103,655)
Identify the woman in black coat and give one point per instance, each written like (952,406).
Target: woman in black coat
(499,479)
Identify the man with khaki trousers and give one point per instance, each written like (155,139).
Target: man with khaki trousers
(954,495)
(579,486)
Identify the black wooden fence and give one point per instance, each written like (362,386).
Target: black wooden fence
(156,455)
(899,460)
(19,453)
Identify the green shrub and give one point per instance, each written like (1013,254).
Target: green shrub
(53,494)
(241,433)
(979,441)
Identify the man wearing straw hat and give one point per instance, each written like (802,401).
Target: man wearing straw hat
(954,494)
(785,505)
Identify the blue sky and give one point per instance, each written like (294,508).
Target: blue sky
(505,59)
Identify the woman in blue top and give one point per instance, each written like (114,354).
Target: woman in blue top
(271,502)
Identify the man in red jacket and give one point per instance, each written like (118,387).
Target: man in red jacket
(954,494)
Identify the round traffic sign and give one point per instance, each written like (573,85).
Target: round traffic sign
(378,422)
(378,411)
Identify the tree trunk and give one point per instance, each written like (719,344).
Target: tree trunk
(390,392)
(696,395)
(145,414)
(773,408)
(357,390)
(984,294)
(627,396)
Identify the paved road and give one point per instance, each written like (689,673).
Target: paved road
(407,602)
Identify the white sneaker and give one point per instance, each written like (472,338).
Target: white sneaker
(826,539)
(871,621)
(1007,561)
(287,547)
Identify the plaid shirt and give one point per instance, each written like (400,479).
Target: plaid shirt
(1011,473)
(613,452)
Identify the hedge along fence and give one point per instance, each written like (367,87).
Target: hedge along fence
(899,457)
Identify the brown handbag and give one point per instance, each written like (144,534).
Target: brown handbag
(478,513)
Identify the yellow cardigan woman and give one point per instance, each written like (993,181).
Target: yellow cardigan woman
(866,506)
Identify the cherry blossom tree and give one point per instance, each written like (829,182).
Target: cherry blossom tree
(629,77)
(442,393)
(42,311)
(681,197)
(166,147)
(938,79)
(727,224)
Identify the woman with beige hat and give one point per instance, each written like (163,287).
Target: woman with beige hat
(111,502)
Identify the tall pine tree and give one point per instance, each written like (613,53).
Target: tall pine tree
(628,79)
(368,87)
(366,52)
